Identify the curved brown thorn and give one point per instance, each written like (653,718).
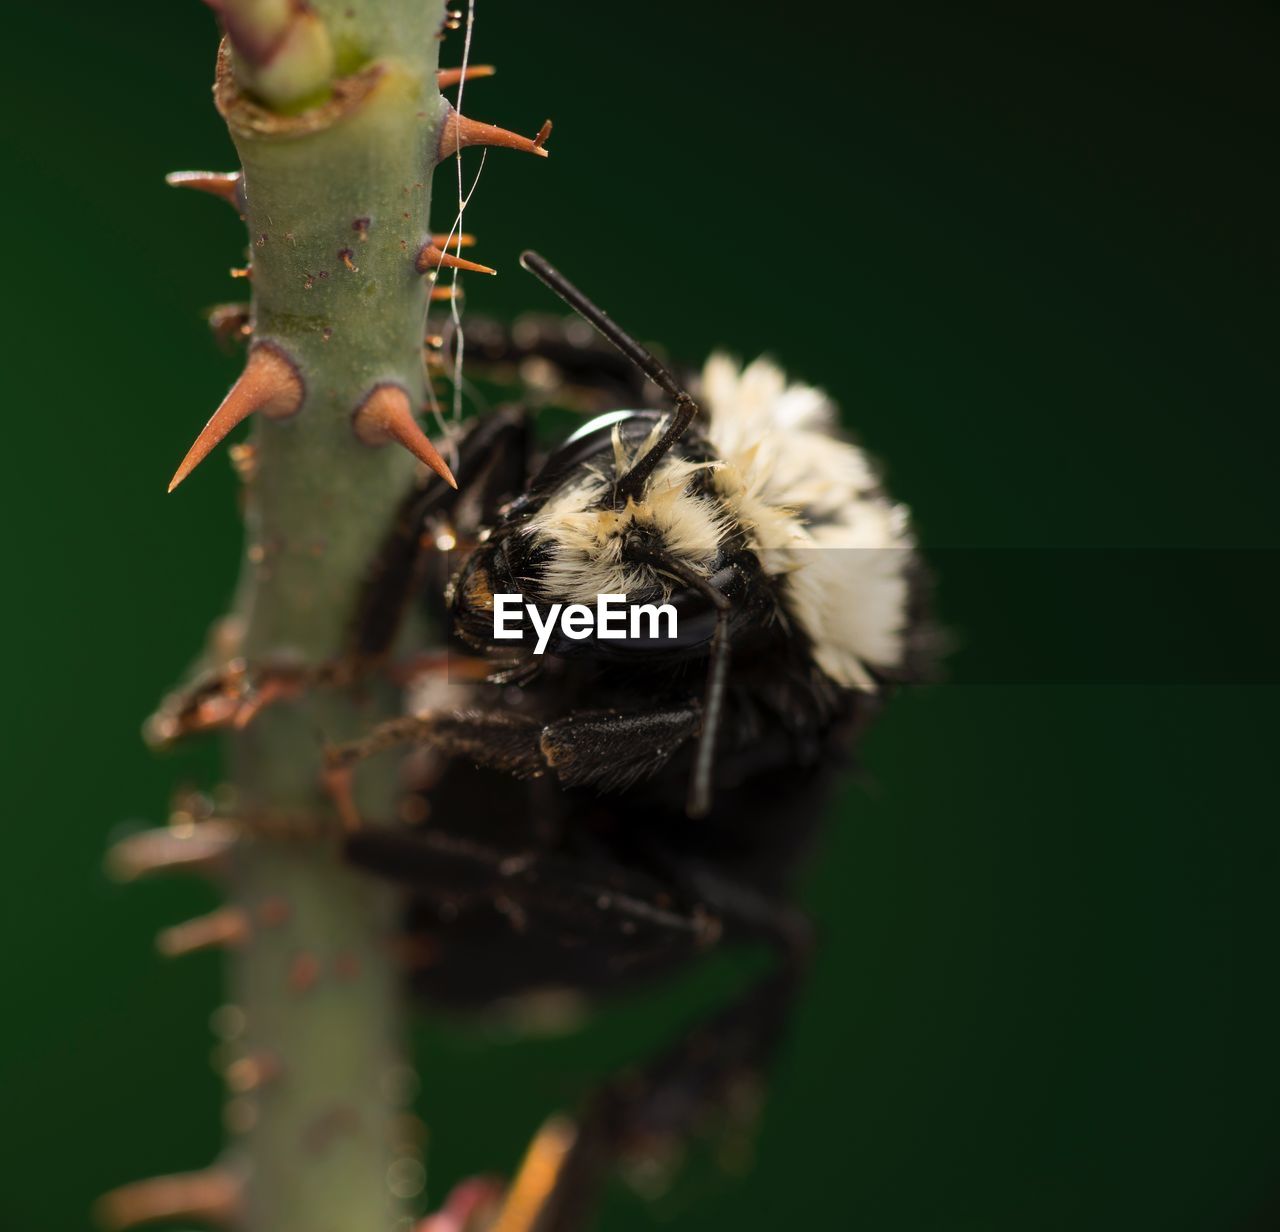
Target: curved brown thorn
(385,415)
(459,131)
(224,184)
(455,239)
(226,927)
(430,257)
(269,383)
(212,1196)
(201,849)
(446,78)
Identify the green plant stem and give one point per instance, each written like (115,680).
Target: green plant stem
(337,206)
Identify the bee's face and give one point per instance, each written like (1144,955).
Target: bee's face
(566,542)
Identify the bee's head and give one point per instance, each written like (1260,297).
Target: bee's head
(585,528)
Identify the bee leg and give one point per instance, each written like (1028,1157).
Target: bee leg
(624,913)
(605,749)
(639,1112)
(714,1068)
(555,361)
(612,751)
(492,466)
(497,739)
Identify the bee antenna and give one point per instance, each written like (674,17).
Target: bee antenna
(633,482)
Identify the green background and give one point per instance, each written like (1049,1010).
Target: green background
(1033,255)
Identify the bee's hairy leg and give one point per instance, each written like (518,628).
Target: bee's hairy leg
(555,361)
(664,1101)
(497,739)
(611,751)
(582,901)
(667,1098)
(603,749)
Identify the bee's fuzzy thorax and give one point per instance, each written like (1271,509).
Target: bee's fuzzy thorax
(806,501)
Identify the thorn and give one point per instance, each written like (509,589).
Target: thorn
(443,294)
(225,184)
(226,927)
(459,131)
(212,1196)
(455,239)
(269,383)
(537,1177)
(252,1072)
(447,78)
(274,911)
(230,323)
(201,849)
(338,780)
(386,415)
(431,258)
(303,972)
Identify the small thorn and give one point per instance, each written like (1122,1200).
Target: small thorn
(202,849)
(386,415)
(212,1196)
(447,78)
(225,184)
(445,294)
(539,1170)
(273,911)
(224,928)
(430,258)
(230,323)
(455,239)
(269,383)
(339,784)
(459,131)
(303,972)
(252,1072)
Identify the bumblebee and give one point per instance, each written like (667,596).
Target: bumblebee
(609,810)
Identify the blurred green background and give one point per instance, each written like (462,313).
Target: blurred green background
(1032,252)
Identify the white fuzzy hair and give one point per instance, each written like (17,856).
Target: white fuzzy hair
(585,541)
(807,501)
